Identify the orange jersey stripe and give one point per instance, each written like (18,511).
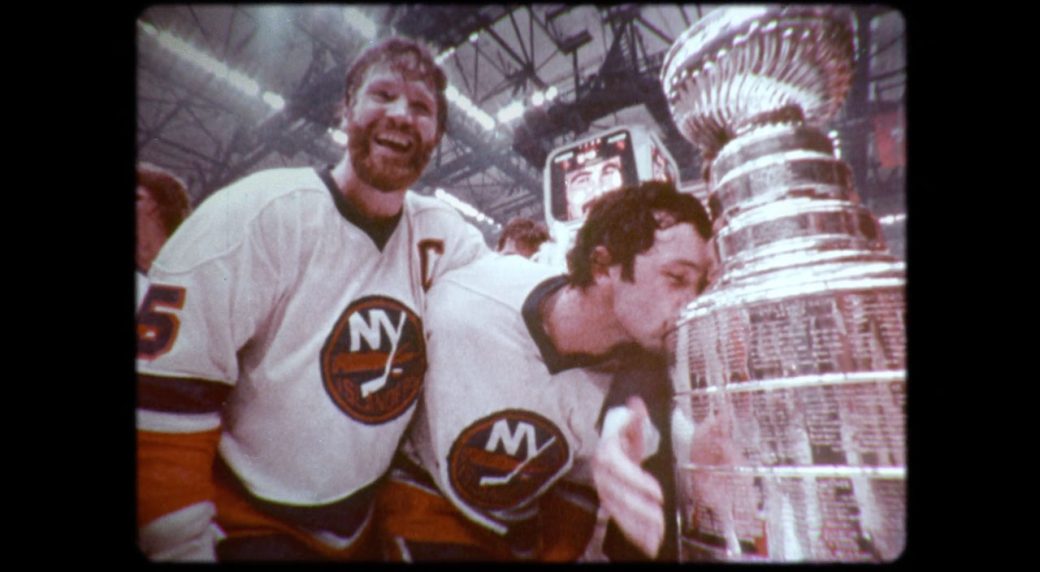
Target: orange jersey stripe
(173,471)
(416,515)
(238,518)
(568,527)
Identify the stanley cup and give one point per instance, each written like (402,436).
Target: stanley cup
(790,371)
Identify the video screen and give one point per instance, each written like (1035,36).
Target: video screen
(587,171)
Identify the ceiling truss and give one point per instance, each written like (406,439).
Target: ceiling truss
(604,61)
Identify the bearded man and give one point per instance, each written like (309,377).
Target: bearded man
(280,347)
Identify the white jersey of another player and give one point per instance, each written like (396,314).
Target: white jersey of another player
(276,317)
(140,286)
(503,415)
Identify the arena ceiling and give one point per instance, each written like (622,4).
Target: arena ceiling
(224,90)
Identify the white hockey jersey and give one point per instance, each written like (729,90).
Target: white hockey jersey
(140,287)
(503,415)
(271,297)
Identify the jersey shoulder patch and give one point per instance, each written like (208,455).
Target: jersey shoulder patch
(507,458)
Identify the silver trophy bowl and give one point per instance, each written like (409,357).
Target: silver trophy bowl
(789,372)
(744,66)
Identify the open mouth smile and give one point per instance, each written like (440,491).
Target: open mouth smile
(396,142)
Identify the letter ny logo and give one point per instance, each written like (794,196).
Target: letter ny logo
(374,359)
(505,458)
(500,435)
(372,331)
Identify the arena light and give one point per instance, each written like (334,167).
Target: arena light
(551,93)
(209,64)
(468,107)
(835,138)
(339,137)
(892,219)
(510,112)
(537,99)
(465,208)
(485,120)
(360,22)
(444,55)
(275,101)
(242,82)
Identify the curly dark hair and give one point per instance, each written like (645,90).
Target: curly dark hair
(403,55)
(624,222)
(168,192)
(525,232)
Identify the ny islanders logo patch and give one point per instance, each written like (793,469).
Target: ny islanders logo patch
(373,361)
(506,458)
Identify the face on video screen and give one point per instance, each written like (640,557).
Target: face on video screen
(582,172)
(590,181)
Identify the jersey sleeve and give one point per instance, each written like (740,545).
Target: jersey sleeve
(457,359)
(470,246)
(447,241)
(463,353)
(210,291)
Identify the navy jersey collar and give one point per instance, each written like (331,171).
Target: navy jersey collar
(533,319)
(379,230)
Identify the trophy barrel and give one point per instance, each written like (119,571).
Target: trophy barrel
(789,419)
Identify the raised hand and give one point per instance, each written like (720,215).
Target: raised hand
(629,494)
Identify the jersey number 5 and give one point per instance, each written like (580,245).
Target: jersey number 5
(157,330)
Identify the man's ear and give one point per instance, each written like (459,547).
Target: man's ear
(144,200)
(601,260)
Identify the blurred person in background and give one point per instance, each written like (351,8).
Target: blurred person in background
(522,236)
(162,205)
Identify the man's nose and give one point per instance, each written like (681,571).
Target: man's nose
(398,107)
(685,299)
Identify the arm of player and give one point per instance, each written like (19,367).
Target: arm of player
(459,244)
(178,426)
(629,494)
(210,287)
(175,509)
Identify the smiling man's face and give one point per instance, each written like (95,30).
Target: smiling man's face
(392,129)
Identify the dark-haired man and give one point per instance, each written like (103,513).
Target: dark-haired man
(498,465)
(162,204)
(280,346)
